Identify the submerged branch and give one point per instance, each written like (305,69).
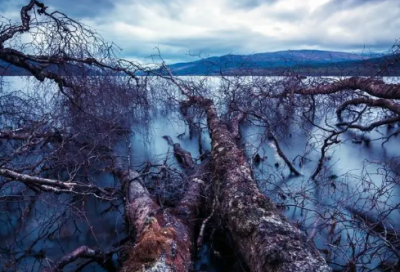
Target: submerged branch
(283,156)
(58,186)
(103,258)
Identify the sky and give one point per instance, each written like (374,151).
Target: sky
(183,30)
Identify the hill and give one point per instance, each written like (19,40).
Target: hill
(307,62)
(303,62)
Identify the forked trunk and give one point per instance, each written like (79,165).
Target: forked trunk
(264,237)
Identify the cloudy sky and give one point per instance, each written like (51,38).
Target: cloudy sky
(181,28)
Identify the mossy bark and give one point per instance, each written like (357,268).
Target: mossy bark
(164,236)
(264,237)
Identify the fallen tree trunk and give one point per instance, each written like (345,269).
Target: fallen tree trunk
(162,241)
(164,236)
(264,237)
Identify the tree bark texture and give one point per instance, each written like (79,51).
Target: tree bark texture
(264,237)
(164,236)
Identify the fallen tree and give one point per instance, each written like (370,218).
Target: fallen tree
(164,238)
(159,237)
(264,237)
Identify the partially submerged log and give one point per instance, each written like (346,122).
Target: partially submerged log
(159,236)
(264,237)
(163,236)
(182,156)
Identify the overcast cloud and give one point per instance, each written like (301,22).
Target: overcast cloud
(180,28)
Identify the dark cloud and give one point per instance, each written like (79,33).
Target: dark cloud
(82,8)
(244,41)
(77,9)
(215,43)
(182,28)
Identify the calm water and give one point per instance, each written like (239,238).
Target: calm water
(352,177)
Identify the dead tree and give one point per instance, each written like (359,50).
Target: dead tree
(164,237)
(361,105)
(266,240)
(49,150)
(47,155)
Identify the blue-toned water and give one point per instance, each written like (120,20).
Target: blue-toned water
(356,174)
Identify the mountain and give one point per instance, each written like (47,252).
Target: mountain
(303,62)
(310,62)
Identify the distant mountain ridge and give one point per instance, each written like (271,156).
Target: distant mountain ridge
(300,55)
(303,62)
(270,62)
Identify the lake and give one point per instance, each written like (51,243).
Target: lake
(359,174)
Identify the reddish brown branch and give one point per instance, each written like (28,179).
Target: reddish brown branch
(104,259)
(371,126)
(373,87)
(379,103)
